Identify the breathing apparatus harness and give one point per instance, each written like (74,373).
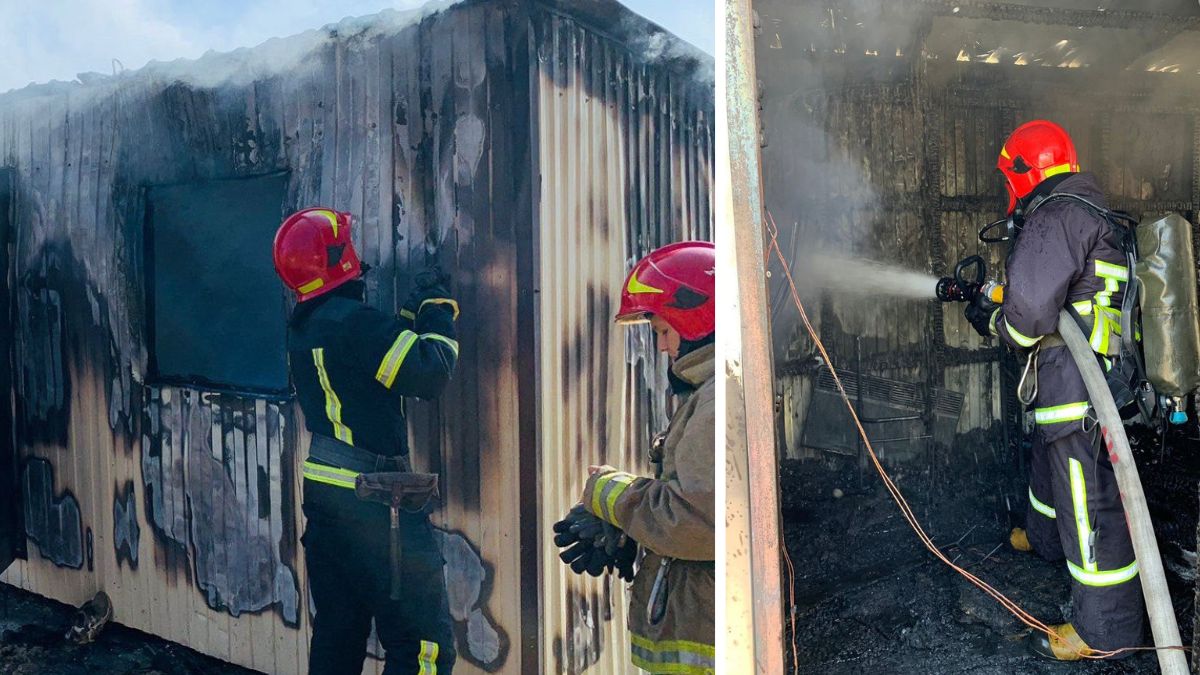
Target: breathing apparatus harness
(1126,372)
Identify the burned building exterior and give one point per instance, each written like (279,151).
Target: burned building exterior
(532,149)
(882,122)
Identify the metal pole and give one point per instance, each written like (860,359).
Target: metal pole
(751,627)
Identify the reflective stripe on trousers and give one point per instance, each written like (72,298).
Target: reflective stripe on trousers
(1090,574)
(672,656)
(1040,506)
(427,658)
(1068,412)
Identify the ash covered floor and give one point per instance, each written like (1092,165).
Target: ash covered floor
(31,642)
(869,598)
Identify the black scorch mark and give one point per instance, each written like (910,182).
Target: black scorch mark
(54,524)
(126,533)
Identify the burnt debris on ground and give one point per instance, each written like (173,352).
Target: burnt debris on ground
(32,642)
(869,598)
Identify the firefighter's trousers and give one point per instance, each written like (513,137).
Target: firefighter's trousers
(1075,515)
(346,549)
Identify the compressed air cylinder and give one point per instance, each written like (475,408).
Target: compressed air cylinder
(1170,312)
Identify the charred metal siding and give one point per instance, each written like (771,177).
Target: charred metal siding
(183,504)
(624,155)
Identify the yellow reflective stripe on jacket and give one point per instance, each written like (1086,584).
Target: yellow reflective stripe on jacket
(1106,324)
(1083,525)
(453,344)
(1109,578)
(605,493)
(333,405)
(1019,338)
(992,322)
(672,656)
(390,365)
(1107,270)
(407,314)
(1040,506)
(1061,413)
(330,475)
(427,658)
(440,301)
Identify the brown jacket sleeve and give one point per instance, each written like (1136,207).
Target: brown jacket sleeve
(673,517)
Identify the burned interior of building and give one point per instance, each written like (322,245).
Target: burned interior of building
(881,124)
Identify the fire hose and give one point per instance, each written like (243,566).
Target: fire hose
(1150,570)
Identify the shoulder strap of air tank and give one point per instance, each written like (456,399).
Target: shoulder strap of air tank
(1122,223)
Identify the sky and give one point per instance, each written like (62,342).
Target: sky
(58,39)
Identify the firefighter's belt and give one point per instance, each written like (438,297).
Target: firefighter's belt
(335,453)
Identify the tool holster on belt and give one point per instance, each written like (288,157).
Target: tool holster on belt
(401,491)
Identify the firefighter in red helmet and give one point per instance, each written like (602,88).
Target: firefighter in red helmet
(1066,253)
(351,365)
(670,515)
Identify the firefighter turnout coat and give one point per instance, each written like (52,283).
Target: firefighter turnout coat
(672,516)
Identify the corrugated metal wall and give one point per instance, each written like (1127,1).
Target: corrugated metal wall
(183,504)
(624,154)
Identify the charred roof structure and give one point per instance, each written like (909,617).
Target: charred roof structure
(533,149)
(881,123)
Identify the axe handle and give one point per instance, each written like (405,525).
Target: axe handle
(396,552)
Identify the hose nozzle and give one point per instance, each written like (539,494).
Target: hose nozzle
(960,288)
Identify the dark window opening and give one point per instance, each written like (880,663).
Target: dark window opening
(216,309)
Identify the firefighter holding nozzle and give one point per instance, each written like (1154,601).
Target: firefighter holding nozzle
(668,518)
(368,543)
(1067,252)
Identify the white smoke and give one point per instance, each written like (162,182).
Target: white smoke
(236,67)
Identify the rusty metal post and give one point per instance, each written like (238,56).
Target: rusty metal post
(751,626)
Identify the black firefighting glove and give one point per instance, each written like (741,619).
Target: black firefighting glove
(564,534)
(624,557)
(429,284)
(592,545)
(432,277)
(979,314)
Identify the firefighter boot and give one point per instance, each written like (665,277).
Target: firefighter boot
(1019,540)
(1064,645)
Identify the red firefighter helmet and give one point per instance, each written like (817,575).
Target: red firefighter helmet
(313,252)
(675,282)
(1034,152)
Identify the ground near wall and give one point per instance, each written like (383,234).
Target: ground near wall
(869,598)
(31,643)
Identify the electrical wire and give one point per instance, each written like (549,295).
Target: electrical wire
(792,609)
(1016,610)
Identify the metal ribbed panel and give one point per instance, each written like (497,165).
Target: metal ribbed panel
(624,163)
